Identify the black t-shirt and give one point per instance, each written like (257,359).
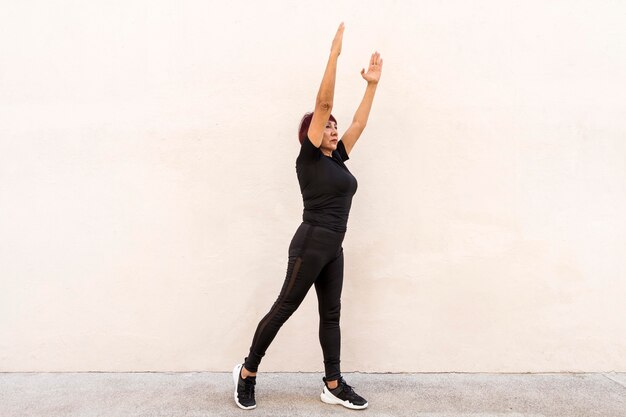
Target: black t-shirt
(327,186)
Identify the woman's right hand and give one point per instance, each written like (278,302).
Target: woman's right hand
(336,48)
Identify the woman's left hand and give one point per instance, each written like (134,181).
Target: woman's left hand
(373,72)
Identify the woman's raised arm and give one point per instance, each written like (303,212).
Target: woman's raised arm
(326,94)
(359,121)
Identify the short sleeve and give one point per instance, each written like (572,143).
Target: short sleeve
(308,151)
(341,149)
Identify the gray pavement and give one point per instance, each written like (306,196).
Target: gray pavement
(297,394)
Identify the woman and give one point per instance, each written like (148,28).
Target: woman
(315,252)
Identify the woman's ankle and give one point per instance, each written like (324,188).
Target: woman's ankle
(246,373)
(332,384)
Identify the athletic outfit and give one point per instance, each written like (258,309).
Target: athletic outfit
(315,258)
(315,253)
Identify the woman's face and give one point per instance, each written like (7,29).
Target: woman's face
(331,136)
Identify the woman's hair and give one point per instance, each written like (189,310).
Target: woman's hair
(305,123)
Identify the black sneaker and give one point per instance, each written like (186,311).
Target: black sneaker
(244,389)
(343,394)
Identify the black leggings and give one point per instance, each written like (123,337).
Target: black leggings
(315,257)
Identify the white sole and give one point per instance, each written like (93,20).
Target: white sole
(327,397)
(236,373)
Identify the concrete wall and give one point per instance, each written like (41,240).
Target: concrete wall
(148,191)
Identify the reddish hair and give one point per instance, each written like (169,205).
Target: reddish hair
(305,123)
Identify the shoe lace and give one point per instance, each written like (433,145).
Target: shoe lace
(346,388)
(248,391)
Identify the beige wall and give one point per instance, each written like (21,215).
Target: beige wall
(148,192)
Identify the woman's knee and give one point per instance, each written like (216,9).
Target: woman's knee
(330,313)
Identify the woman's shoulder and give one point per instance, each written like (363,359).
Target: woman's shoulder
(308,151)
